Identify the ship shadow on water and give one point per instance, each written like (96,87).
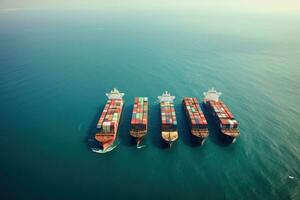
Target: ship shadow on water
(92,130)
(154,130)
(214,132)
(184,129)
(124,127)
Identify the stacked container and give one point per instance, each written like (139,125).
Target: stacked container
(139,120)
(109,119)
(194,114)
(225,117)
(168,116)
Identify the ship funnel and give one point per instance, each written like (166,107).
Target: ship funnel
(212,95)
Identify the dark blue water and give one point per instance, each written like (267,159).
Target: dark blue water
(55,67)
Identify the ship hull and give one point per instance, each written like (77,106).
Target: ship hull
(198,140)
(228,139)
(230,136)
(169,137)
(138,136)
(106,140)
(199,136)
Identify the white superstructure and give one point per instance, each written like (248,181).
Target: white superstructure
(115,94)
(166,96)
(212,95)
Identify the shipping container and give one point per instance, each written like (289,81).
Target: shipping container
(109,119)
(139,119)
(195,118)
(168,118)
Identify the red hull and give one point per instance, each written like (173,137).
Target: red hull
(106,139)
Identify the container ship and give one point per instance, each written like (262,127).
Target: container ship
(227,124)
(139,120)
(195,118)
(169,131)
(109,120)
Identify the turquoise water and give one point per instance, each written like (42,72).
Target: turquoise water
(55,67)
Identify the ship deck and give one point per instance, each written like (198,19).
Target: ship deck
(138,134)
(200,133)
(231,132)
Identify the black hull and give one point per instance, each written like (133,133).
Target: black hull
(167,144)
(227,139)
(197,140)
(139,140)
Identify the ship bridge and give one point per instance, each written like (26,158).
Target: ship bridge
(212,95)
(166,97)
(115,94)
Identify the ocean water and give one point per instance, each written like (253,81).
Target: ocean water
(56,66)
